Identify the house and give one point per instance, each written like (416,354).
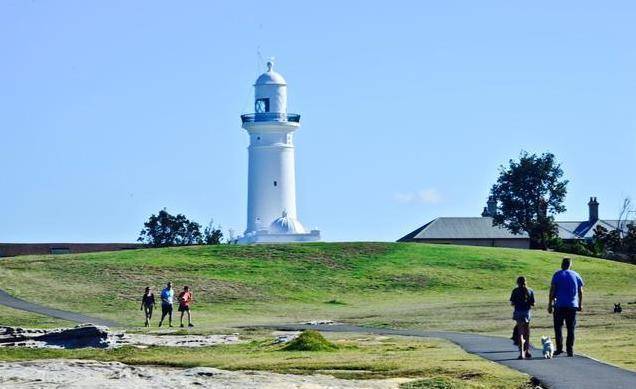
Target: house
(470,231)
(479,231)
(570,231)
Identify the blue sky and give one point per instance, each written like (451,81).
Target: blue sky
(112,110)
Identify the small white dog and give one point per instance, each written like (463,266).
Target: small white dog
(548,350)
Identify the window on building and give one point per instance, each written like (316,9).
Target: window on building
(275,183)
(261,106)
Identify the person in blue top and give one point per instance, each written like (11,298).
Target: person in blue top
(523,300)
(566,299)
(167,294)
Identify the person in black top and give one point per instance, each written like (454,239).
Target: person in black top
(147,304)
(523,300)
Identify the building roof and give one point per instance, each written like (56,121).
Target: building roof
(286,225)
(270,77)
(584,229)
(461,228)
(482,228)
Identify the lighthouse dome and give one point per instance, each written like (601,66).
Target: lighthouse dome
(286,225)
(270,77)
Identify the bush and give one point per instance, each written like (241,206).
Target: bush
(310,340)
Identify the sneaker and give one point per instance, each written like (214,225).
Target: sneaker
(570,354)
(558,352)
(181,325)
(520,357)
(528,355)
(190,325)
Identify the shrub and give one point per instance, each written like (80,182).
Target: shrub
(310,340)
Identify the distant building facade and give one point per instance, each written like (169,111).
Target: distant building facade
(15,249)
(479,231)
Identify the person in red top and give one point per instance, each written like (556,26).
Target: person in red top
(185,300)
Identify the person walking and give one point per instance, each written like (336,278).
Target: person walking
(185,300)
(522,298)
(566,299)
(167,294)
(147,304)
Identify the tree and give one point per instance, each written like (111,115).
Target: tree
(623,216)
(212,234)
(529,193)
(600,239)
(164,230)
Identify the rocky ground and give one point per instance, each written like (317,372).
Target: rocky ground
(101,337)
(92,374)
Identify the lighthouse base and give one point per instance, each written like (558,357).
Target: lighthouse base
(264,236)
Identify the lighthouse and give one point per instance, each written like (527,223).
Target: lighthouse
(271,182)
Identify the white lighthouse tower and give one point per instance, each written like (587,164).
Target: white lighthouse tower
(271,188)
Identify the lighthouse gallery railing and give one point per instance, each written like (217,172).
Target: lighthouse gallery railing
(270,117)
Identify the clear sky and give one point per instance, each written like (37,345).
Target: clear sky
(111,110)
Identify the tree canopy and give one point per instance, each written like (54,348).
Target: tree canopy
(164,230)
(529,192)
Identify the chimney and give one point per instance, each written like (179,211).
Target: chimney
(593,205)
(491,207)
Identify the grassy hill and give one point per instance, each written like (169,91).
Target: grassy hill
(383,284)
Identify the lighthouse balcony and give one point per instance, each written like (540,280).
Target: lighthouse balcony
(270,117)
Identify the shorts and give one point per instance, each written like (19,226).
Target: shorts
(166,309)
(184,308)
(521,316)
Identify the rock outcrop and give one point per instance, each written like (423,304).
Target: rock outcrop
(85,335)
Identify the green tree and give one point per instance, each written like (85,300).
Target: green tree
(212,234)
(164,230)
(629,240)
(529,192)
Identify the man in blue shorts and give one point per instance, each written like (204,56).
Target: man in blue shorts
(566,298)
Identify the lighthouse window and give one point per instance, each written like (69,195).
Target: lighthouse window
(261,106)
(275,183)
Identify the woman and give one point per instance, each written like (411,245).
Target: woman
(147,304)
(523,300)
(185,299)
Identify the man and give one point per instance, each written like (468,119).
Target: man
(185,300)
(566,299)
(167,295)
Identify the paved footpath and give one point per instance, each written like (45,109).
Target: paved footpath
(559,373)
(13,302)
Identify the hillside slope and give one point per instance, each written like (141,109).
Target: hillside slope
(395,284)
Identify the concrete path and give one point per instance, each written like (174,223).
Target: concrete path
(13,302)
(560,373)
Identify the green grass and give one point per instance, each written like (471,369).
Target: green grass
(357,357)
(16,318)
(385,284)
(310,340)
